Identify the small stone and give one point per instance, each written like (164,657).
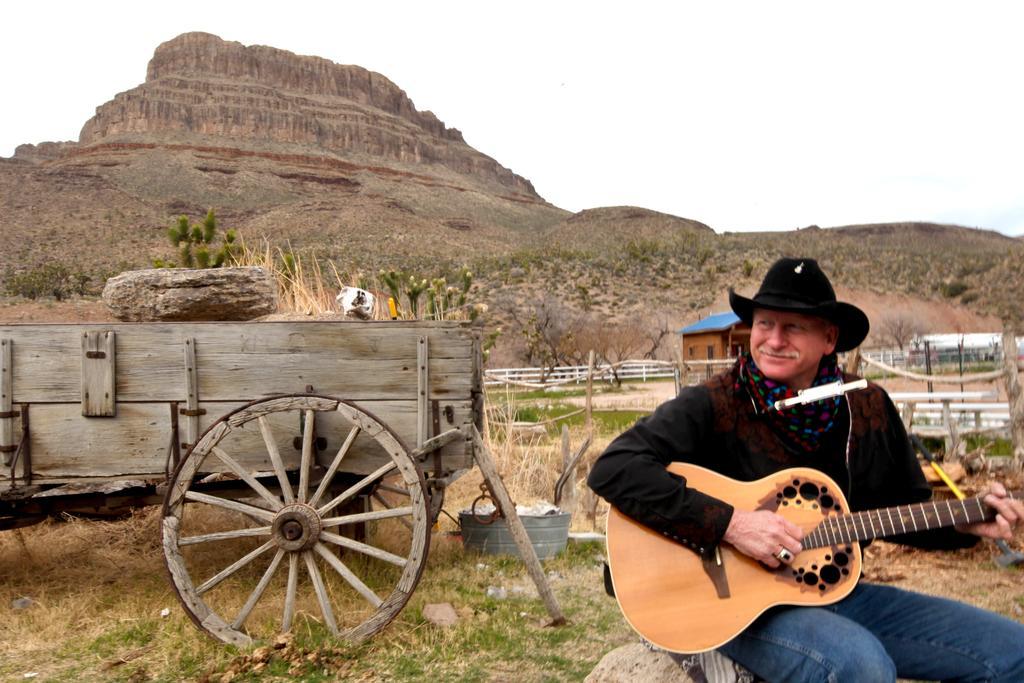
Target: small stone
(165,612)
(22,603)
(441,614)
(497,592)
(481,566)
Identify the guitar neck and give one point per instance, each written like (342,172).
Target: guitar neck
(862,526)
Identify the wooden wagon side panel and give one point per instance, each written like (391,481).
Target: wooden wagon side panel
(371,364)
(66,445)
(244,361)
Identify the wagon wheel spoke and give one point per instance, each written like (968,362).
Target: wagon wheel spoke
(307,454)
(225,535)
(394,489)
(289,596)
(254,597)
(321,592)
(356,488)
(232,568)
(275,458)
(259,514)
(329,476)
(244,475)
(363,548)
(383,501)
(368,516)
(348,575)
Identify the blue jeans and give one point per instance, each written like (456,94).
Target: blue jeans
(878,633)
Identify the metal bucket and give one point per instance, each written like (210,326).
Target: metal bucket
(548,534)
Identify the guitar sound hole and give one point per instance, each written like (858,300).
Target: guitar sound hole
(841,559)
(830,574)
(810,578)
(789,492)
(809,491)
(826,501)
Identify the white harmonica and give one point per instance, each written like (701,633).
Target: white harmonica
(829,390)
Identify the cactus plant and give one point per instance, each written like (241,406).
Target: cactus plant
(195,244)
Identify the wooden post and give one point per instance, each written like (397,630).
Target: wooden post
(907,413)
(853,361)
(1014,394)
(7,445)
(422,387)
(191,395)
(568,500)
(516,528)
(589,420)
(953,437)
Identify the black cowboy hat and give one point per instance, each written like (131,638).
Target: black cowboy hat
(799,286)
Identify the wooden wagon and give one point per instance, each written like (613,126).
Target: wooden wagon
(300,465)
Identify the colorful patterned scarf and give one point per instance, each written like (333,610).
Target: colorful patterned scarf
(800,426)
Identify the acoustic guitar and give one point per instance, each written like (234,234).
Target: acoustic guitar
(683,603)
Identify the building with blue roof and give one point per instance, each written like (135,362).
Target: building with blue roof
(718,336)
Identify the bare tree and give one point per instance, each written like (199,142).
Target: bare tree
(548,329)
(654,333)
(898,329)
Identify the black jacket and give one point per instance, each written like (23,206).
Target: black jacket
(717,426)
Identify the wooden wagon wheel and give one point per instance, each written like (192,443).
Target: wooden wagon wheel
(237,526)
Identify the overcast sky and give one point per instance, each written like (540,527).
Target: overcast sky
(743,115)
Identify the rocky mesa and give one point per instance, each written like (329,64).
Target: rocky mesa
(298,149)
(200,85)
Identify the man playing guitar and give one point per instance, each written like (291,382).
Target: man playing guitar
(732,426)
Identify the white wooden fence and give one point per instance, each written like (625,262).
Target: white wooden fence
(641,370)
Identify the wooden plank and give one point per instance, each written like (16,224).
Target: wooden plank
(6,402)
(242,361)
(515,526)
(67,446)
(99,362)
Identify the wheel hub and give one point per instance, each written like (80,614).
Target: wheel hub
(296,527)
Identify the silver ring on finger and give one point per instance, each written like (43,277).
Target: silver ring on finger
(784,555)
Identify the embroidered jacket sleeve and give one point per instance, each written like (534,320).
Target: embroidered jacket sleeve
(631,473)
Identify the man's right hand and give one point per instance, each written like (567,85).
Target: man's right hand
(762,534)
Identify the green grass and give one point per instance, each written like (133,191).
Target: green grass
(605,421)
(996,446)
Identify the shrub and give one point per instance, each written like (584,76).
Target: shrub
(953,289)
(52,279)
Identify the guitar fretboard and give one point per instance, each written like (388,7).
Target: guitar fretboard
(862,526)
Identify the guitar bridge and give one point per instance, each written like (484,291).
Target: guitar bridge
(715,569)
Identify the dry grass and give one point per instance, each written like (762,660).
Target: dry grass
(302,285)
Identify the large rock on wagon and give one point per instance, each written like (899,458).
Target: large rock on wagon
(191,294)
